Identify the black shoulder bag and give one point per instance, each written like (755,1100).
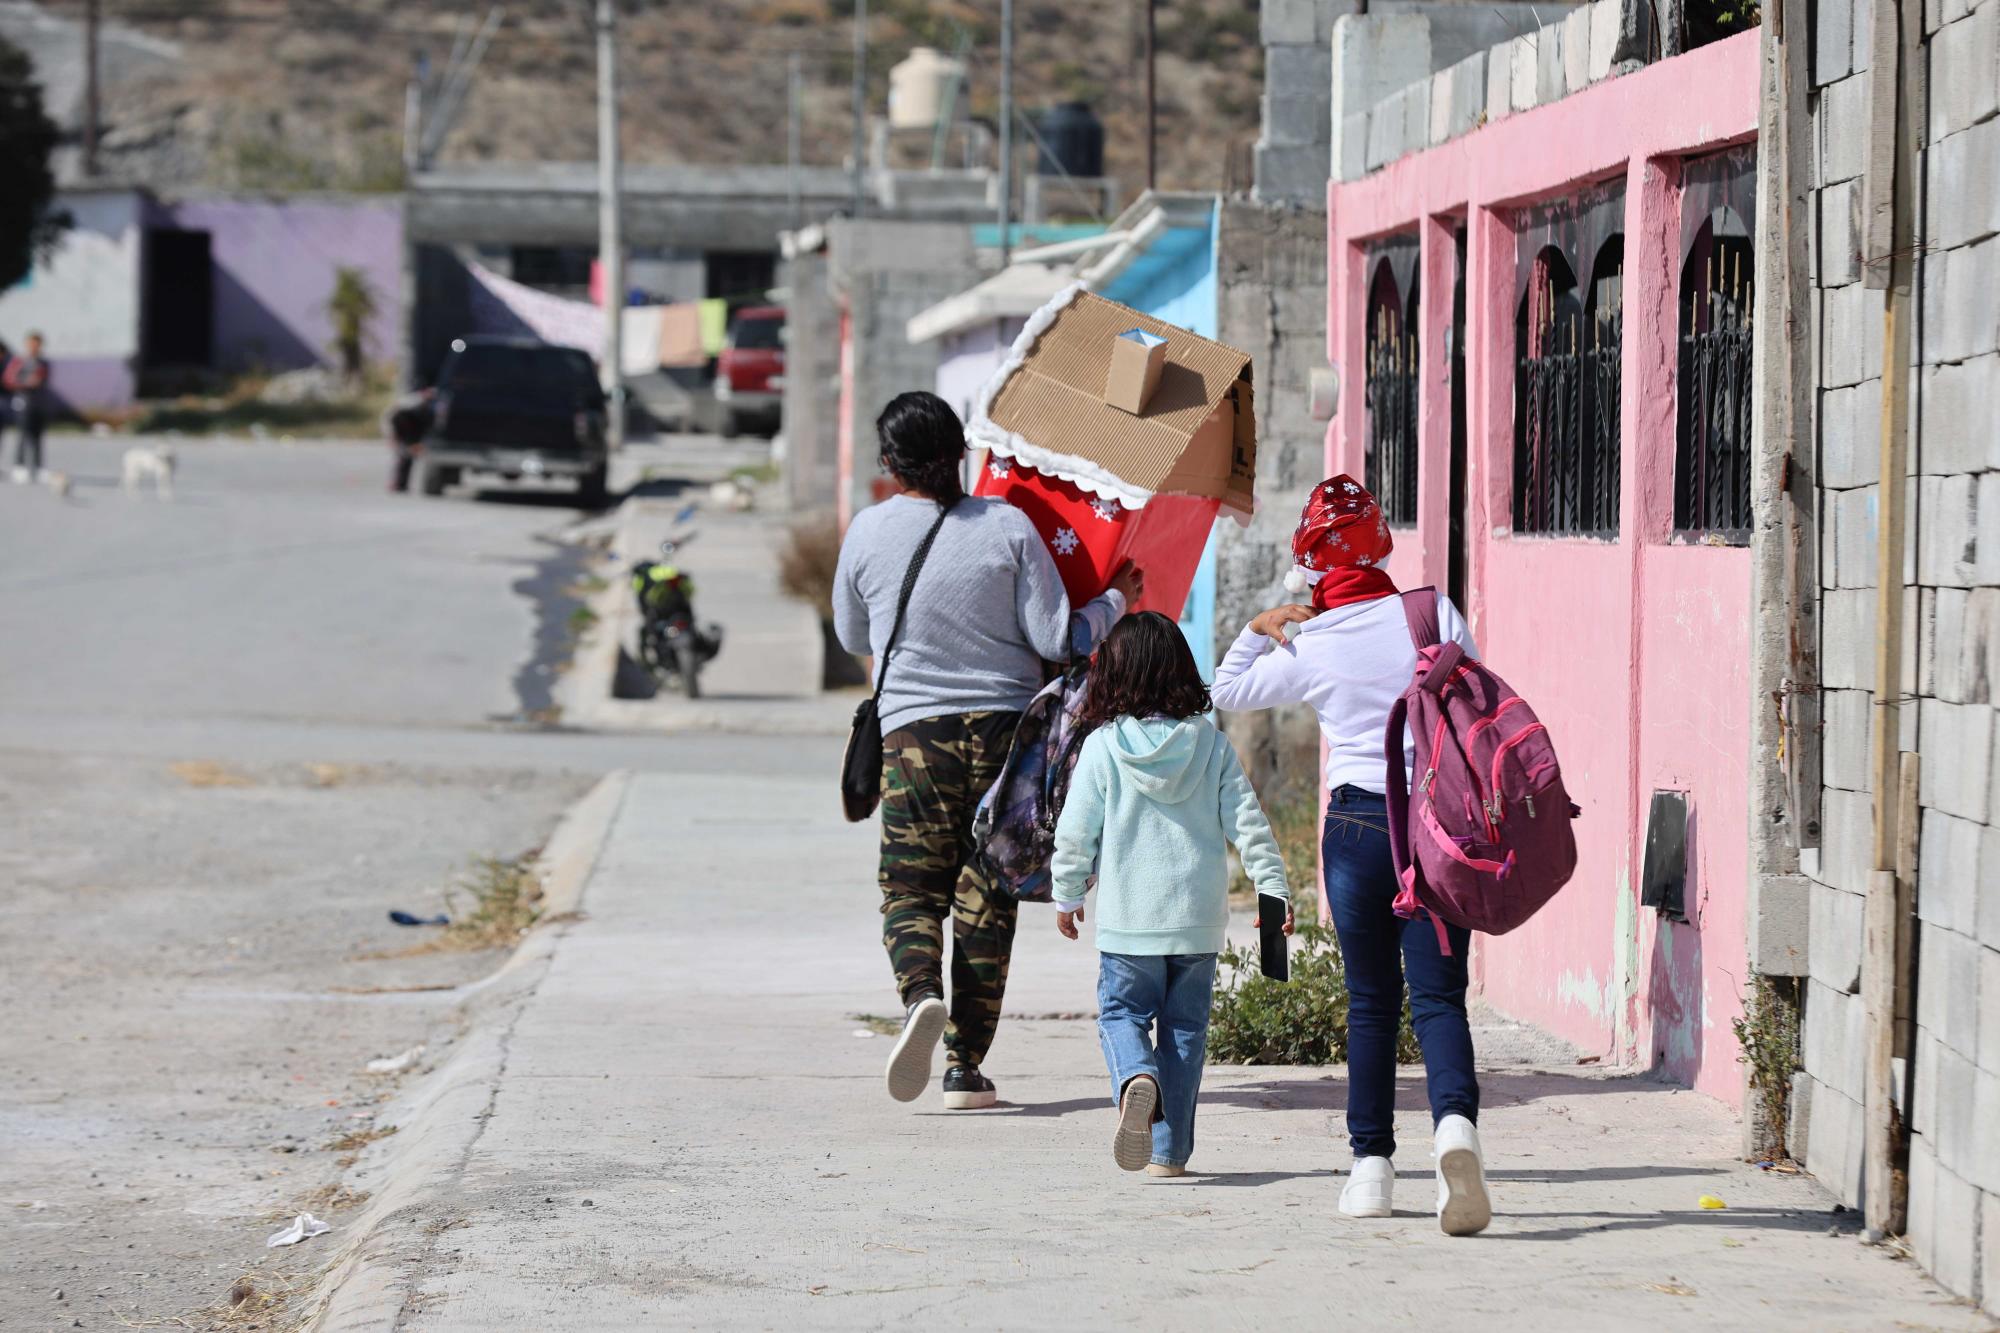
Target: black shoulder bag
(861,766)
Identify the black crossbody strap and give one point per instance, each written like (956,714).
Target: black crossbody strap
(903,599)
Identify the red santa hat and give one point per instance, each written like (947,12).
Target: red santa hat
(1341,527)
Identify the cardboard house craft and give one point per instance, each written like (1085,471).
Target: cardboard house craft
(1121,436)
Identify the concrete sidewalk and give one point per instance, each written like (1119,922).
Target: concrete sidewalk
(766,678)
(677,1125)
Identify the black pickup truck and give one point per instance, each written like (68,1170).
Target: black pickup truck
(515,407)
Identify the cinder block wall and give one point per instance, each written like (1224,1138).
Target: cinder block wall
(812,385)
(888,271)
(1271,298)
(1952,648)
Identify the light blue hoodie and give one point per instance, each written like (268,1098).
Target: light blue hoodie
(1151,806)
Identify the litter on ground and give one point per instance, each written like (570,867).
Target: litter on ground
(302,1227)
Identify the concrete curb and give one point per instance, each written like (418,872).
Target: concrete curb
(439,1119)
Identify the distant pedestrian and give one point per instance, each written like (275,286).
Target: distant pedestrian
(1155,802)
(1352,659)
(406,423)
(25,382)
(986,610)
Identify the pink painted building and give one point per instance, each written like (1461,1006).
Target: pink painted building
(1540,332)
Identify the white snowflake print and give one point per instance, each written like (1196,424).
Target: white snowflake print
(1306,561)
(1363,562)
(1350,488)
(1329,490)
(999,467)
(1108,510)
(1065,541)
(1339,541)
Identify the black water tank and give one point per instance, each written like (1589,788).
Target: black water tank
(1072,141)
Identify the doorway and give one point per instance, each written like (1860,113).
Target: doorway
(180,299)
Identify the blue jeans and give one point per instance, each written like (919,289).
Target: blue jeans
(1378,949)
(1137,993)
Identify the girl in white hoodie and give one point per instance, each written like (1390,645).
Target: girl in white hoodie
(1350,660)
(1156,797)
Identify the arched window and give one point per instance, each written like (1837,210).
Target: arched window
(1712,395)
(1390,386)
(1568,340)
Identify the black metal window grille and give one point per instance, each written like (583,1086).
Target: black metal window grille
(1567,410)
(1713,405)
(1390,388)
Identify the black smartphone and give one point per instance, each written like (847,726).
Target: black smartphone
(1277,959)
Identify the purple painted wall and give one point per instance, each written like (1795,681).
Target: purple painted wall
(274,268)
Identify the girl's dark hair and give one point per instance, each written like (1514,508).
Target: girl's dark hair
(923,445)
(1143,669)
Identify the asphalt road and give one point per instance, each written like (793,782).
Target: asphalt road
(235,729)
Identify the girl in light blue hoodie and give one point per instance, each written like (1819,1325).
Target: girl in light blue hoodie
(1156,795)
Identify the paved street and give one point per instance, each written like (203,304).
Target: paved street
(235,730)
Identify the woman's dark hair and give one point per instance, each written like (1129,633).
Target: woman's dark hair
(1143,669)
(923,445)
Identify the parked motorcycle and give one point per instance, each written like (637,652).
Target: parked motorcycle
(672,644)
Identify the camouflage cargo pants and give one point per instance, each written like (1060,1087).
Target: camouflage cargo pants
(933,773)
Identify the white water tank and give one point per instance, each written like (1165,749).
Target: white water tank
(918,86)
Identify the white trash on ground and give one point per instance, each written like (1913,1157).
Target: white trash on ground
(396,1064)
(304,1226)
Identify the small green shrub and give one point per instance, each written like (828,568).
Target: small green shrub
(1303,1021)
(1768,1033)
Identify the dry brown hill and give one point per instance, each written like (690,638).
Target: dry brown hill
(290,94)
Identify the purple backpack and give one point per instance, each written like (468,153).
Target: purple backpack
(1487,840)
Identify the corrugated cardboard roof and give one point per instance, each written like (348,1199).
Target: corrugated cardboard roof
(1050,396)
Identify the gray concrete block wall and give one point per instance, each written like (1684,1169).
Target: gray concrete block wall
(1294,153)
(887,271)
(1412,74)
(812,386)
(1953,634)
(1271,303)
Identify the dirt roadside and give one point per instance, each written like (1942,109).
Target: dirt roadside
(199,965)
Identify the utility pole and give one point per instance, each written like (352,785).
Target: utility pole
(860,98)
(792,97)
(90,14)
(610,245)
(1152,105)
(1006,130)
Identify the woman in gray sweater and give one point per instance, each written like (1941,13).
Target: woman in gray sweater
(987,611)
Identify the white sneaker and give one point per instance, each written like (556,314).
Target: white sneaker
(1370,1183)
(909,1071)
(21,476)
(1463,1207)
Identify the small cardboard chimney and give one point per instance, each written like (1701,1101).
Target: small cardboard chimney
(1137,358)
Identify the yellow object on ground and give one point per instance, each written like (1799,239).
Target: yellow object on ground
(1710,1201)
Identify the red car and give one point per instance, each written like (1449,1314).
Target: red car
(750,374)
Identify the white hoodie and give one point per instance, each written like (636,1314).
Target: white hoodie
(1350,664)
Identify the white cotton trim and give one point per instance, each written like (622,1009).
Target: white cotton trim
(1300,578)
(1080,472)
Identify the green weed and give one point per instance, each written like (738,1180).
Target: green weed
(1257,1021)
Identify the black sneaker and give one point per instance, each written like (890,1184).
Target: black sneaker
(966,1089)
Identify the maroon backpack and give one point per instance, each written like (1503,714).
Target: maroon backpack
(1487,840)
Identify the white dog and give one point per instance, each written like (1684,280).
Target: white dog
(56,481)
(156,463)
